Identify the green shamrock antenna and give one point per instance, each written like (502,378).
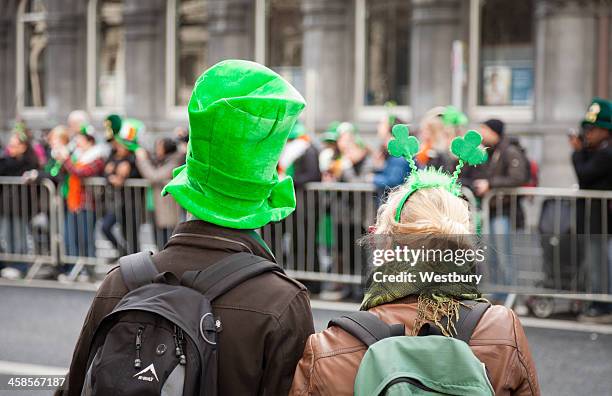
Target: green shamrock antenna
(466,148)
(403,145)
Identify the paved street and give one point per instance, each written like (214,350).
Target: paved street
(39,327)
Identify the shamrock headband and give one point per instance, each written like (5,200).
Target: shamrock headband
(466,148)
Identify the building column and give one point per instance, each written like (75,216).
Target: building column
(145,38)
(231,30)
(566,60)
(66,58)
(327,61)
(435,25)
(8,96)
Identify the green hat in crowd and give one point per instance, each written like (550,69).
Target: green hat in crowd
(113,124)
(453,116)
(240,115)
(599,114)
(297,131)
(331,133)
(87,130)
(128,135)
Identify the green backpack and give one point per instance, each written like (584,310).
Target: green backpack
(427,365)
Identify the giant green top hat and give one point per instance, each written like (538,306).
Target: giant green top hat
(599,114)
(240,114)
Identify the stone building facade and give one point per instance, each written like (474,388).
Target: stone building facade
(533,63)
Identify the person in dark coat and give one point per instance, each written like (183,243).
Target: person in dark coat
(592,160)
(18,158)
(300,160)
(507,166)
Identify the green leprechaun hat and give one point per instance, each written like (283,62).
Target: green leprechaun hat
(599,114)
(240,114)
(129,133)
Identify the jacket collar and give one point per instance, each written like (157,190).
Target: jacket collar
(208,236)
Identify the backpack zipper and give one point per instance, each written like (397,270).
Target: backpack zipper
(411,381)
(179,340)
(137,361)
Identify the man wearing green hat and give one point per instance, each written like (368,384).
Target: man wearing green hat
(240,114)
(592,159)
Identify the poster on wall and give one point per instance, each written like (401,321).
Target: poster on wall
(496,85)
(522,86)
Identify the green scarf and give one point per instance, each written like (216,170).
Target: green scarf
(435,300)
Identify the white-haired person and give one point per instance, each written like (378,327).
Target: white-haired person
(383,347)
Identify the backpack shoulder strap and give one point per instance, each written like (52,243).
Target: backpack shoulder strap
(469,317)
(137,269)
(366,327)
(228,273)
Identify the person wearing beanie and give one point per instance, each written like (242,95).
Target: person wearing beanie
(494,125)
(592,160)
(506,167)
(240,115)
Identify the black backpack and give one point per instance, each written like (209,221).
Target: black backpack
(161,338)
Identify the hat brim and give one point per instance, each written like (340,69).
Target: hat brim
(601,124)
(131,146)
(214,207)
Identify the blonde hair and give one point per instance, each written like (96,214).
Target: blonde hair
(429,211)
(61,132)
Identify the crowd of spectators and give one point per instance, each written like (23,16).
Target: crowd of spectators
(70,154)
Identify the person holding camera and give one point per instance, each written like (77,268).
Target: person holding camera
(592,160)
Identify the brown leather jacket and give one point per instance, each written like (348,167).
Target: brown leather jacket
(331,358)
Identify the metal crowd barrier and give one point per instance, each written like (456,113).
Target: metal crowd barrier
(552,241)
(111,222)
(318,241)
(28,218)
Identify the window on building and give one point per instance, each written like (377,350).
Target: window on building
(387,66)
(506,53)
(110,52)
(34,52)
(191,47)
(285,38)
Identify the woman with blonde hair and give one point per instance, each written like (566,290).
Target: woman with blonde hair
(426,213)
(438,127)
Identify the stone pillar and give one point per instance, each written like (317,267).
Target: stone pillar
(327,61)
(435,25)
(231,30)
(8,16)
(145,37)
(66,58)
(609,16)
(566,56)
